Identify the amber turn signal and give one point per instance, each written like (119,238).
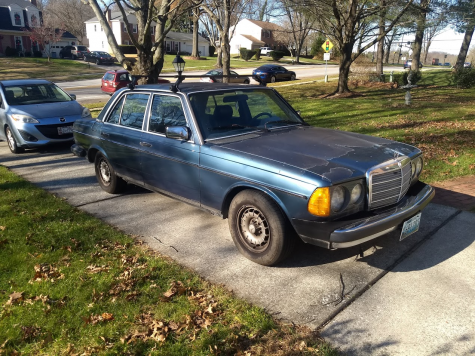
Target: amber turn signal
(319,202)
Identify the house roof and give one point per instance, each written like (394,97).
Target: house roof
(266,25)
(183,37)
(253,39)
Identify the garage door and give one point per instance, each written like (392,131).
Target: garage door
(202,51)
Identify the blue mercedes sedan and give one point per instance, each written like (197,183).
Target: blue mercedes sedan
(243,153)
(36,112)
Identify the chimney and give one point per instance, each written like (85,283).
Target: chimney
(33,2)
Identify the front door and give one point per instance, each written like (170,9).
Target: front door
(168,164)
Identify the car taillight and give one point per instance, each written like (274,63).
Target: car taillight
(114,85)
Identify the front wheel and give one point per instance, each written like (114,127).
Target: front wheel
(105,174)
(98,62)
(259,228)
(12,144)
(246,81)
(272,79)
(292,77)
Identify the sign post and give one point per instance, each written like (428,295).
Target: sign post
(327,46)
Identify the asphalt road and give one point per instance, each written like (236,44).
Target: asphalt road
(306,289)
(88,91)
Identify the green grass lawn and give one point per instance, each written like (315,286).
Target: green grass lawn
(71,284)
(440,121)
(57,69)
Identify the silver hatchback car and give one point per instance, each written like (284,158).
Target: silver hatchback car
(36,112)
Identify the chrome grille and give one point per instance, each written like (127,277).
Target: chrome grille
(389,182)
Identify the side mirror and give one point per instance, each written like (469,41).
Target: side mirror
(181,133)
(73,96)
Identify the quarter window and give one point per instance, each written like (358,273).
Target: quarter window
(115,115)
(133,112)
(166,111)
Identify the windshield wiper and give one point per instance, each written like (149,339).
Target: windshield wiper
(281,122)
(238,126)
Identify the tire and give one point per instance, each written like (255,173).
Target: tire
(272,79)
(84,59)
(292,77)
(106,177)
(75,57)
(259,228)
(12,144)
(61,56)
(246,81)
(98,62)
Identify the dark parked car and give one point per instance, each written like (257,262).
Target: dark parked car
(114,80)
(270,73)
(243,153)
(99,57)
(36,112)
(73,52)
(215,76)
(408,64)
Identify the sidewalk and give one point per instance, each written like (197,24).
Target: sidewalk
(458,193)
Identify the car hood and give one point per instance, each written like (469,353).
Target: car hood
(332,154)
(48,110)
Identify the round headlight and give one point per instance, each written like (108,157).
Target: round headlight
(338,198)
(418,166)
(356,193)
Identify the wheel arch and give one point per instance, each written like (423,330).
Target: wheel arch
(239,187)
(92,152)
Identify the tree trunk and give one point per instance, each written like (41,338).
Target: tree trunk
(158,57)
(380,50)
(219,59)
(345,63)
(467,38)
(226,53)
(426,50)
(421,23)
(195,52)
(262,11)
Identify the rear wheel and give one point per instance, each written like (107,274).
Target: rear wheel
(84,59)
(105,174)
(259,228)
(12,144)
(246,81)
(272,79)
(98,61)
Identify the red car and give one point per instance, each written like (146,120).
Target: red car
(114,80)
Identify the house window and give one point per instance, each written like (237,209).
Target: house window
(18,43)
(134,28)
(176,46)
(153,30)
(102,44)
(126,42)
(95,28)
(34,20)
(167,44)
(124,27)
(17,18)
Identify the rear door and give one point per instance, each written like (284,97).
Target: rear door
(121,135)
(168,164)
(235,77)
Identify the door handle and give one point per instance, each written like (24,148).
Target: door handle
(105,134)
(145,144)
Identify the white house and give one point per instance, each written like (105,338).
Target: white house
(175,41)
(252,34)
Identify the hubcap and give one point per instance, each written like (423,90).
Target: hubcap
(272,79)
(105,172)
(11,139)
(254,228)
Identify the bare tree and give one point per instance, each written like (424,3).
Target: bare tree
(421,19)
(462,13)
(213,34)
(224,14)
(343,24)
(47,33)
(150,51)
(73,13)
(196,12)
(296,27)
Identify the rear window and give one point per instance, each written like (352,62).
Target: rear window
(82,48)
(109,76)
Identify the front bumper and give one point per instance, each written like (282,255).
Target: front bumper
(354,231)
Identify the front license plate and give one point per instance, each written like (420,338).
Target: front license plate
(65,130)
(410,226)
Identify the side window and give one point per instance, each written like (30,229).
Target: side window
(166,111)
(123,77)
(133,112)
(115,114)
(233,72)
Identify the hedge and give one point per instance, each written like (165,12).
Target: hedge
(246,54)
(276,55)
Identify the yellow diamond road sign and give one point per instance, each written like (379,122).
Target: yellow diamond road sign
(327,45)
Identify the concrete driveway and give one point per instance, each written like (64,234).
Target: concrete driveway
(307,289)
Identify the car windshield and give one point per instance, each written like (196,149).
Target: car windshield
(82,48)
(230,113)
(27,94)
